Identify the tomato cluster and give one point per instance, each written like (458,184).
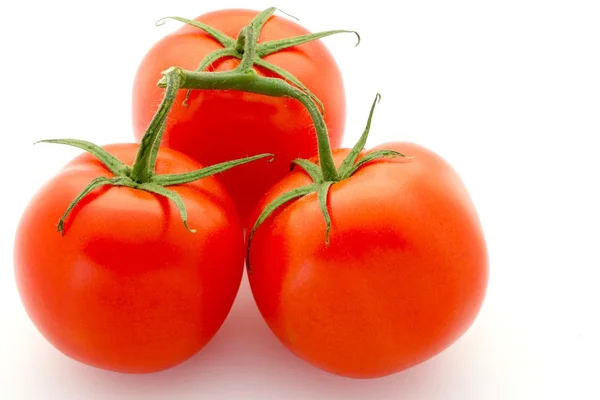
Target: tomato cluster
(361,262)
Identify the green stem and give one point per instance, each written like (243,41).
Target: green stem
(112,163)
(274,205)
(290,78)
(351,158)
(93,185)
(256,26)
(171,195)
(274,87)
(261,18)
(248,39)
(186,177)
(274,46)
(216,55)
(322,194)
(310,168)
(143,167)
(216,34)
(240,43)
(373,156)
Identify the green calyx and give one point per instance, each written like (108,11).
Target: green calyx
(141,175)
(247,42)
(324,180)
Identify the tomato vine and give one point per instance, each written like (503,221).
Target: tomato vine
(244,78)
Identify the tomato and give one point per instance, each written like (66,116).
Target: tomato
(128,288)
(223,125)
(403,276)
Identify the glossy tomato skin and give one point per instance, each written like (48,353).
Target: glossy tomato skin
(128,288)
(219,126)
(404,275)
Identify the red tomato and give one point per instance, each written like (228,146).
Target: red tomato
(404,274)
(218,126)
(128,288)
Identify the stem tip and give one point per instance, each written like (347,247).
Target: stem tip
(61,227)
(188,228)
(288,14)
(357,37)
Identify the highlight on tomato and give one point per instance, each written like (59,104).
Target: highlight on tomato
(129,259)
(367,262)
(212,126)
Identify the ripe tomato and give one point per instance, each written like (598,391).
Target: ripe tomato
(404,274)
(224,125)
(128,288)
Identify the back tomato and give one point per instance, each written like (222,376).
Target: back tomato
(128,288)
(404,274)
(218,126)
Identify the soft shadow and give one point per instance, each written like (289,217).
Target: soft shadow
(245,357)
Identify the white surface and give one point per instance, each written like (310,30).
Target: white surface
(508,91)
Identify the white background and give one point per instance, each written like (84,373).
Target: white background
(508,91)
